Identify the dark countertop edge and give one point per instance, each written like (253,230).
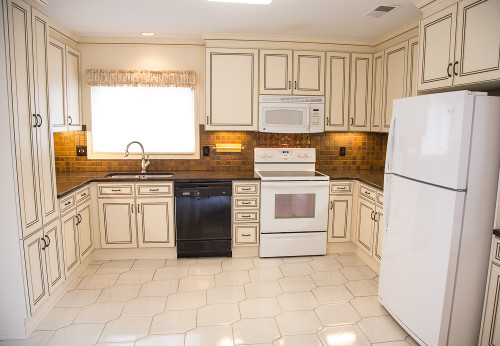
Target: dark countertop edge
(496,233)
(137,180)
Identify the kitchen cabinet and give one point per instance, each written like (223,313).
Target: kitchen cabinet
(360,96)
(276,77)
(490,326)
(84,225)
(370,222)
(231,89)
(34,152)
(117,222)
(340,212)
(64,86)
(246,214)
(44,263)
(365,225)
(337,91)
(377,90)
(70,242)
(412,68)
(450,41)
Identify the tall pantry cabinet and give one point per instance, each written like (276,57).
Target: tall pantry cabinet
(34,155)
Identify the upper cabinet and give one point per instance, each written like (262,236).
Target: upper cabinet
(412,68)
(64,81)
(337,91)
(459,45)
(231,89)
(289,72)
(361,92)
(377,88)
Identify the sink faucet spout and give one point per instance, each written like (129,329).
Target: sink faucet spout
(144,164)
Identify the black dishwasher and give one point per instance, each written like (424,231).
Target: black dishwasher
(203,219)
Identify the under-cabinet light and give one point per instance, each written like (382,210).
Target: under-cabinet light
(255,2)
(147,33)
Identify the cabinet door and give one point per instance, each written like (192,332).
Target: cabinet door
(308,73)
(70,242)
(412,68)
(437,49)
(366,211)
(155,222)
(361,90)
(477,54)
(490,334)
(337,92)
(54,255)
(378,79)
(57,82)
(276,72)
(73,86)
(117,222)
(378,234)
(231,90)
(339,218)
(24,115)
(394,80)
(46,160)
(86,242)
(35,269)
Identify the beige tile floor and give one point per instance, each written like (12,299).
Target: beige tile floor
(325,300)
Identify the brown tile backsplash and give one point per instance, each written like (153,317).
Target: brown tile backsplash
(364,150)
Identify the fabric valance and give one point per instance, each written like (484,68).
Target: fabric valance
(143,78)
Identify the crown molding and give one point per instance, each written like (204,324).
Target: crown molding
(140,40)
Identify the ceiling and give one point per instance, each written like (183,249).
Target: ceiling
(190,18)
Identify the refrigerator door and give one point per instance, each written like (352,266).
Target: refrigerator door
(429,138)
(419,261)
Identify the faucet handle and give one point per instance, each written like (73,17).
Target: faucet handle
(147,163)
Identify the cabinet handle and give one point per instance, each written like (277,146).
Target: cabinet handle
(70,120)
(448,69)
(75,217)
(352,121)
(48,240)
(245,203)
(455,68)
(331,204)
(340,188)
(132,207)
(207,119)
(138,208)
(116,190)
(79,218)
(44,243)
(327,121)
(289,84)
(245,189)
(295,85)
(41,120)
(372,216)
(245,216)
(67,203)
(367,193)
(36,120)
(245,235)
(154,190)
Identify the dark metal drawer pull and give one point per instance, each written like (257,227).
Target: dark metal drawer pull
(340,188)
(245,235)
(246,203)
(116,190)
(245,189)
(67,203)
(154,190)
(246,216)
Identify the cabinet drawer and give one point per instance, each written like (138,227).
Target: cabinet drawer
(154,190)
(67,203)
(82,194)
(380,198)
(245,202)
(246,234)
(336,188)
(496,250)
(367,193)
(246,216)
(114,190)
(245,188)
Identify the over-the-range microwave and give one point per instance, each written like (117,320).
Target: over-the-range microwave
(291,114)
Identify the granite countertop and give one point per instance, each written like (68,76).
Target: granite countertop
(68,182)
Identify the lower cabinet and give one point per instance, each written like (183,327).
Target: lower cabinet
(370,222)
(155,222)
(366,224)
(246,214)
(340,212)
(70,242)
(117,222)
(44,263)
(490,326)
(83,213)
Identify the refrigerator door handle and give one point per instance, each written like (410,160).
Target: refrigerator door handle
(387,202)
(390,145)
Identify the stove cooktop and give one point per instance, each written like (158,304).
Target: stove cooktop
(291,175)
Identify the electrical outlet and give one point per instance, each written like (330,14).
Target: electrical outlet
(81,151)
(206,150)
(342,151)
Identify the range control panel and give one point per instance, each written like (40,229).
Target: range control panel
(279,155)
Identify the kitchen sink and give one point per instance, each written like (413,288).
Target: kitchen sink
(139,175)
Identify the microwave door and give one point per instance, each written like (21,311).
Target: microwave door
(284,118)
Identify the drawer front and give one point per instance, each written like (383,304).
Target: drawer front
(245,202)
(154,190)
(367,193)
(67,203)
(246,216)
(82,194)
(380,198)
(115,190)
(246,188)
(336,188)
(246,234)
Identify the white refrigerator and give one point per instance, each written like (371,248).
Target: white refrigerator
(441,173)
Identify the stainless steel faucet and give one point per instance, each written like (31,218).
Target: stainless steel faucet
(144,164)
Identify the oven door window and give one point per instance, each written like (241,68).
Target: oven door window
(294,206)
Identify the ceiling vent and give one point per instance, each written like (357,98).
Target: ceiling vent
(380,10)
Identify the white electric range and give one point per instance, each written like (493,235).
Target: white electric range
(294,202)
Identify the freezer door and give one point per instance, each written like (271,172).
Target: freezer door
(429,138)
(419,258)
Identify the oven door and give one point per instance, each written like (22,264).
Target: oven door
(284,117)
(294,206)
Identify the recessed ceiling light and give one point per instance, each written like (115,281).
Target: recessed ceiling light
(255,2)
(147,33)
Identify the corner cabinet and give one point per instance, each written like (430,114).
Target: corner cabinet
(231,89)
(450,41)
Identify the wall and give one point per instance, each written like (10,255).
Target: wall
(364,151)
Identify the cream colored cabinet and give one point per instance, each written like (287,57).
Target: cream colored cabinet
(155,222)
(378,230)
(337,91)
(365,228)
(117,222)
(246,204)
(340,212)
(32,133)
(70,242)
(64,85)
(459,45)
(231,89)
(84,224)
(377,90)
(44,263)
(370,221)
(490,326)
(292,72)
(412,68)
(361,89)
(394,84)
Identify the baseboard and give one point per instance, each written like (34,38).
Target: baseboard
(245,251)
(374,265)
(341,247)
(134,253)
